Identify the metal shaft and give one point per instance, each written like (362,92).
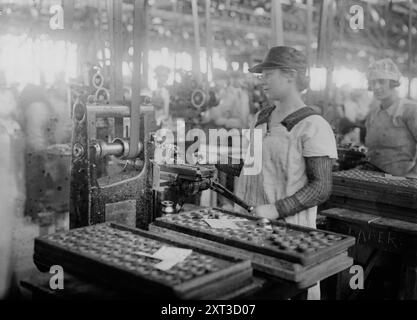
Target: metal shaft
(229,195)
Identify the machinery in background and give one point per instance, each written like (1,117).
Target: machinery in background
(90,191)
(92,89)
(141,183)
(350,156)
(189,99)
(176,182)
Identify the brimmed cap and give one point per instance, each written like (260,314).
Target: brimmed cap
(384,69)
(282,57)
(162,70)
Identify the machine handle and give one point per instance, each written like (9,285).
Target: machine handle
(229,195)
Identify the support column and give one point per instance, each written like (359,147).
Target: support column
(196,55)
(277,38)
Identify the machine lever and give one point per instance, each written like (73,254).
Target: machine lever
(229,195)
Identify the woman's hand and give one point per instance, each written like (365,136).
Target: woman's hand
(268,211)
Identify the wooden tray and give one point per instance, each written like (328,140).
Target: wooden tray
(108,254)
(298,276)
(375,187)
(373,193)
(321,245)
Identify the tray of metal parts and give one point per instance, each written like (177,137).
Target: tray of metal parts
(268,267)
(113,255)
(375,192)
(373,178)
(293,243)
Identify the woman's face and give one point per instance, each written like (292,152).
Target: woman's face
(276,84)
(381,88)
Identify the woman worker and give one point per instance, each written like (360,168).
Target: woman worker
(391,126)
(298,147)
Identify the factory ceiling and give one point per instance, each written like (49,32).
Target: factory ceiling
(239,27)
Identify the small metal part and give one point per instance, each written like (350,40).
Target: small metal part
(167,207)
(79,111)
(272,237)
(198,98)
(78,150)
(277,242)
(302,248)
(263,222)
(97,80)
(119,148)
(333,237)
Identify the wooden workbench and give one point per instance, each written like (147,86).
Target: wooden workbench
(380,234)
(81,289)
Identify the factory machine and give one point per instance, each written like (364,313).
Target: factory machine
(129,231)
(142,180)
(131,234)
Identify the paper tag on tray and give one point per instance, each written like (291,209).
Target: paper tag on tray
(221,223)
(391,177)
(170,256)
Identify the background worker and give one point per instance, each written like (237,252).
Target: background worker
(391,126)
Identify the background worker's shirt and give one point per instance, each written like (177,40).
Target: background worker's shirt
(233,109)
(391,137)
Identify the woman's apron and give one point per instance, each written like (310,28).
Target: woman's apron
(283,173)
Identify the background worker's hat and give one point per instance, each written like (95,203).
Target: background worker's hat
(162,70)
(282,57)
(384,69)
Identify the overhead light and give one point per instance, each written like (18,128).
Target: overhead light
(362,54)
(259,11)
(250,35)
(156,20)
(374,15)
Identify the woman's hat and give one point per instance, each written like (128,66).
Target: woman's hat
(384,69)
(282,57)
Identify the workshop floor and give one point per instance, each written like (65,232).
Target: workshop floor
(25,233)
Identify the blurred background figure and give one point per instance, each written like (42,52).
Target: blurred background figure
(12,186)
(39,124)
(233,112)
(234,109)
(351,133)
(161,96)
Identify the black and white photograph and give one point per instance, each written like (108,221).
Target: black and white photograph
(208,155)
